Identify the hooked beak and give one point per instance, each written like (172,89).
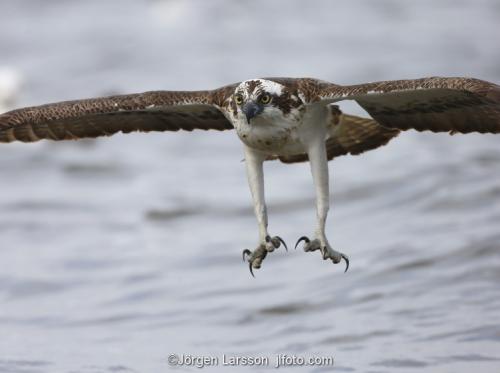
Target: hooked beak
(251,109)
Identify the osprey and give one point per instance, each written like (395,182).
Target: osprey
(293,120)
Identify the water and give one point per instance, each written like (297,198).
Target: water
(119,252)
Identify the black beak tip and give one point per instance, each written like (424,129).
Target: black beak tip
(251,109)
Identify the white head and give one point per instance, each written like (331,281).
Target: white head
(266,99)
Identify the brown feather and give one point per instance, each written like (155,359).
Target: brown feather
(150,111)
(437,104)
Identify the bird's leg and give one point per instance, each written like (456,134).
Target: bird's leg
(254,164)
(319,170)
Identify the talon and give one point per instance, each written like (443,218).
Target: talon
(281,240)
(256,257)
(246,252)
(346,262)
(251,269)
(303,238)
(326,251)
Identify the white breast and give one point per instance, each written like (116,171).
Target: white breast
(270,137)
(277,135)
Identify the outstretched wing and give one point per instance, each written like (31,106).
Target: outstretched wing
(355,135)
(149,111)
(350,134)
(436,104)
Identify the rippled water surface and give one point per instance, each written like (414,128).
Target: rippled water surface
(116,253)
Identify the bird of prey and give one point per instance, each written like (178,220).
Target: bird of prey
(288,119)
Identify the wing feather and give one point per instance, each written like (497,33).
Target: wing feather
(105,116)
(355,135)
(350,134)
(437,104)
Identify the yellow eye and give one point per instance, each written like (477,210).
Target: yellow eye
(238,99)
(265,99)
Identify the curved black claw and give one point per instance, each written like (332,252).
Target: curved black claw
(255,257)
(327,255)
(275,243)
(282,242)
(246,252)
(346,259)
(251,269)
(303,238)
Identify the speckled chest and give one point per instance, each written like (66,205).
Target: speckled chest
(270,136)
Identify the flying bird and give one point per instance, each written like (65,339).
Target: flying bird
(286,119)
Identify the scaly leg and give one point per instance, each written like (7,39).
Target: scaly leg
(319,170)
(254,164)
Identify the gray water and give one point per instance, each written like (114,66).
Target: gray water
(116,253)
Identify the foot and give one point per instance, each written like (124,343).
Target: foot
(256,257)
(326,250)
